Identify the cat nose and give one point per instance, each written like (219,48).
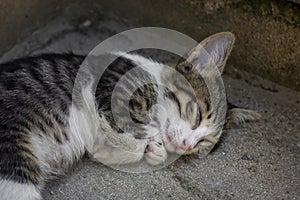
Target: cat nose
(185,145)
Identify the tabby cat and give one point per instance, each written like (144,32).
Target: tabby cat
(43,132)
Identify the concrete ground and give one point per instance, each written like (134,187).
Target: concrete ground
(258,161)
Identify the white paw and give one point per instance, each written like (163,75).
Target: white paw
(155,153)
(107,153)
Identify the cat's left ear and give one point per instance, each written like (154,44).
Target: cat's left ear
(239,116)
(213,50)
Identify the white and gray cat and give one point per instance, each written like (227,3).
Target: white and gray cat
(42,132)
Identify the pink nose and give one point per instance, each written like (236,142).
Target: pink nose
(185,146)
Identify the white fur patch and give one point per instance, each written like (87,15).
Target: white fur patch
(150,66)
(81,131)
(10,190)
(83,123)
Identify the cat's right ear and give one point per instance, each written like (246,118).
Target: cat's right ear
(212,51)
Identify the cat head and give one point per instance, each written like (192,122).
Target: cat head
(194,125)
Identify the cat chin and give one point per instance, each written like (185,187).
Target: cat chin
(173,149)
(170,147)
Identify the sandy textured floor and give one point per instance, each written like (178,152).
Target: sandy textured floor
(257,161)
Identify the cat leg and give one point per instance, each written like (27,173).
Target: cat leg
(126,150)
(10,190)
(155,152)
(113,148)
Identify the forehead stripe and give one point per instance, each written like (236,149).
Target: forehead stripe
(188,92)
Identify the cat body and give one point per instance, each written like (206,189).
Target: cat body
(43,131)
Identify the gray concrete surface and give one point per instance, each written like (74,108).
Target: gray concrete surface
(257,161)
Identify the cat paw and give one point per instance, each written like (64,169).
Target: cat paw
(155,153)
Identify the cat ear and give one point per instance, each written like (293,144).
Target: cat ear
(240,116)
(213,50)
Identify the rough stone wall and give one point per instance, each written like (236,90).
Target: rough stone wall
(267,31)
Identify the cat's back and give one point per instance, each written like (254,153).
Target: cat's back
(49,68)
(40,79)
(35,96)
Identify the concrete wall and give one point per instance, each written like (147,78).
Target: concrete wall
(267,31)
(20,17)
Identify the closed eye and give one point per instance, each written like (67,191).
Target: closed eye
(199,142)
(198,118)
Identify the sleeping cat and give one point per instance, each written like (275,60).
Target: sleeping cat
(43,132)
